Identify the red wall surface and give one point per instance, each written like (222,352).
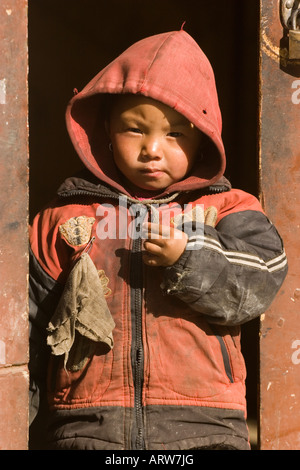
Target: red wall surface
(13,226)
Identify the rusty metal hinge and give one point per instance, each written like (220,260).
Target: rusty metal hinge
(290,19)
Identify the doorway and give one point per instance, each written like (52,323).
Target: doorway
(70,41)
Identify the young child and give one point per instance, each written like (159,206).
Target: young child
(146,264)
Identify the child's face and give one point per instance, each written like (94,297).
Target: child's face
(153,145)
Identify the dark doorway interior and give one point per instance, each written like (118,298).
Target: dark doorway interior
(71,40)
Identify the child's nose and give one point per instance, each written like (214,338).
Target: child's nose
(152,148)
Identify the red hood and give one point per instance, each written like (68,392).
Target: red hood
(170,68)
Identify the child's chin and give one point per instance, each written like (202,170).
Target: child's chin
(146,186)
(154,186)
(154,189)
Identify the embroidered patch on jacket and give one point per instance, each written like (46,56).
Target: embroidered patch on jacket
(210,216)
(104,281)
(197,214)
(77,230)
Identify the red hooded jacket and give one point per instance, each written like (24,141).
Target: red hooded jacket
(168,372)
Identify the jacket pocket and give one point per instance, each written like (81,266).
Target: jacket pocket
(229,340)
(226,359)
(185,357)
(67,386)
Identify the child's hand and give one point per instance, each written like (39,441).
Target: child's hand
(163,245)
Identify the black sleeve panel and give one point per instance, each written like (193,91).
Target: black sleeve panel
(230,273)
(44,294)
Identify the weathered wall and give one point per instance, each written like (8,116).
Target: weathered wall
(13,225)
(280,178)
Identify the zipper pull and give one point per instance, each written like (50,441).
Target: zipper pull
(86,249)
(88,246)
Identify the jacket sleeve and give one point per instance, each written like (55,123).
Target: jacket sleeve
(230,273)
(44,294)
(50,262)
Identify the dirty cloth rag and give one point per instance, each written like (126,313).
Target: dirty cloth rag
(82,309)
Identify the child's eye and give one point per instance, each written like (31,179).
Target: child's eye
(175,134)
(136,130)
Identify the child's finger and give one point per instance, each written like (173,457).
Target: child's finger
(156,231)
(153,248)
(156,241)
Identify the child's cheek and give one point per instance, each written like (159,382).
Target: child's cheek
(180,164)
(125,146)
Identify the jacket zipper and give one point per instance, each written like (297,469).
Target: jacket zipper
(137,350)
(226,359)
(224,352)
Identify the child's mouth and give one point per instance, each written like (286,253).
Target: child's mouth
(152,172)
